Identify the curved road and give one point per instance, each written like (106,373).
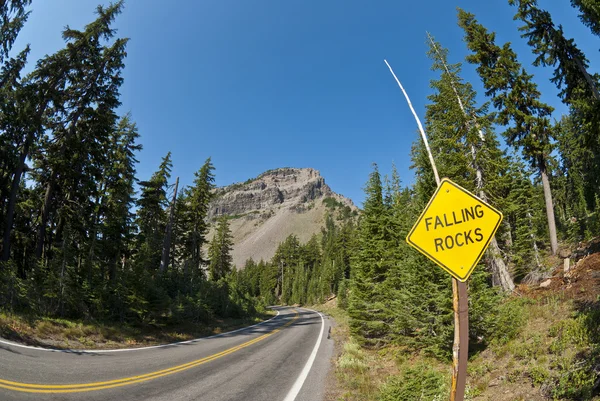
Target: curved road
(285,359)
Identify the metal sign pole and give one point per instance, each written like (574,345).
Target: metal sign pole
(460,349)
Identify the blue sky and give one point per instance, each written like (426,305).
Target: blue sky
(272,83)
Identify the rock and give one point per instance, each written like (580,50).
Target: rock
(564,253)
(546,283)
(266,209)
(280,187)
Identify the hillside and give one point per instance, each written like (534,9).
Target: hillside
(264,210)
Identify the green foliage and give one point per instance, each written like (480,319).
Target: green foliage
(509,320)
(589,14)
(332,203)
(219,251)
(67,157)
(419,382)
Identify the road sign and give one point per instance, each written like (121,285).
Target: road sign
(455,229)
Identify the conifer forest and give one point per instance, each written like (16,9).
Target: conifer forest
(84,236)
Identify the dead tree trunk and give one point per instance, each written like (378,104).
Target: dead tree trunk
(549,207)
(500,275)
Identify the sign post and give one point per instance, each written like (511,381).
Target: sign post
(454,231)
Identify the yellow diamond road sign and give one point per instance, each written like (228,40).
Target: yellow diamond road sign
(455,229)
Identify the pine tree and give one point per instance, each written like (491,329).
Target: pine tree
(589,14)
(14,107)
(118,221)
(578,88)
(554,49)
(516,98)
(576,173)
(522,199)
(197,199)
(83,82)
(286,259)
(367,304)
(468,151)
(219,252)
(12,18)
(151,216)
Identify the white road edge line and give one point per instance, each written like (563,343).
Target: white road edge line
(293,393)
(105,351)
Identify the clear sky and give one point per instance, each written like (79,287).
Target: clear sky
(287,83)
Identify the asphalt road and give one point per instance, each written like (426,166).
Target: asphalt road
(283,359)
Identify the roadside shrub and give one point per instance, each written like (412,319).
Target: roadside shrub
(509,320)
(419,383)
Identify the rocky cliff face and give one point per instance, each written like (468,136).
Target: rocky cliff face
(268,208)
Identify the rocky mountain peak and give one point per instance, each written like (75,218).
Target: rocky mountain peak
(283,187)
(264,210)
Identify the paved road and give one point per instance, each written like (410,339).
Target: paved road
(284,359)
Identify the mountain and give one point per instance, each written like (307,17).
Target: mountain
(263,211)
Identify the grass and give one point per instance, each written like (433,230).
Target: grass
(546,349)
(386,374)
(65,333)
(553,356)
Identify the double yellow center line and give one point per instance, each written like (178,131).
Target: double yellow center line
(95,386)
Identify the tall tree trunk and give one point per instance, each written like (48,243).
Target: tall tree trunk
(164,262)
(10,213)
(41,237)
(549,207)
(536,251)
(19,171)
(51,182)
(587,77)
(95,222)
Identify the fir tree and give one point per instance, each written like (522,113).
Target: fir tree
(197,200)
(118,221)
(516,98)
(82,82)
(14,107)
(589,14)
(219,252)
(554,49)
(151,215)
(578,88)
(367,304)
(468,151)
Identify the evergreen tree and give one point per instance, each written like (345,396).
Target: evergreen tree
(12,18)
(367,303)
(118,220)
(522,200)
(589,14)
(554,49)
(578,88)
(516,98)
(151,215)
(286,260)
(219,252)
(82,82)
(576,172)
(469,152)
(14,107)
(197,199)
